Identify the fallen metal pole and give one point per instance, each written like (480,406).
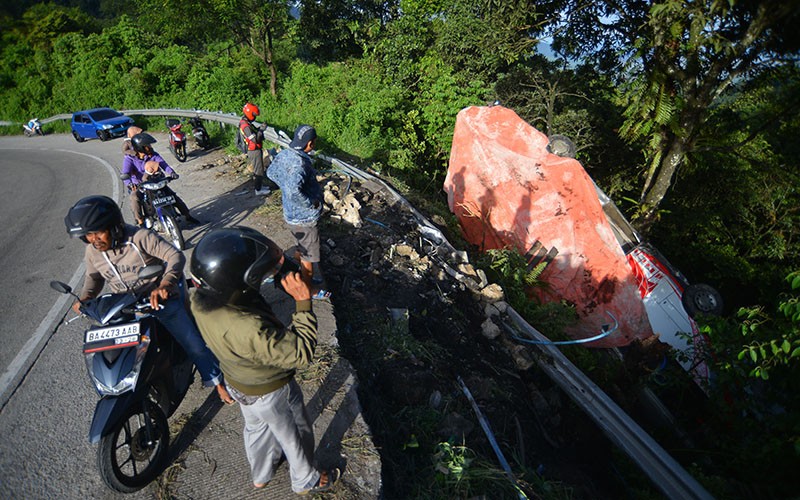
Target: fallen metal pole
(665,472)
(488,431)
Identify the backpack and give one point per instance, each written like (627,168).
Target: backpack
(241,144)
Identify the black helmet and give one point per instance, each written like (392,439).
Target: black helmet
(94,213)
(141,141)
(231,260)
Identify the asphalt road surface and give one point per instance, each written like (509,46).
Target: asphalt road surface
(42,178)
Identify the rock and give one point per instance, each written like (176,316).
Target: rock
(492,293)
(348,209)
(455,425)
(336,260)
(406,251)
(495,308)
(489,329)
(467,269)
(522,357)
(508,190)
(330,199)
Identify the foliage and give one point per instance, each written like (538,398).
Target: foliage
(757,376)
(674,59)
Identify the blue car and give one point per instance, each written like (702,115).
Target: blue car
(101,123)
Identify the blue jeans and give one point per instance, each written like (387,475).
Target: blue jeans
(176,319)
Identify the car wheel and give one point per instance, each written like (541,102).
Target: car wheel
(103,135)
(561,145)
(702,299)
(77,136)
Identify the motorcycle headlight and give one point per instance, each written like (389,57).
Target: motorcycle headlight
(152,186)
(116,371)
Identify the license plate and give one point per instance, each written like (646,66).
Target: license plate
(160,202)
(113,337)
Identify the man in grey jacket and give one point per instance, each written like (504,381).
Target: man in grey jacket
(114,255)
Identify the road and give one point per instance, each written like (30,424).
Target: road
(42,178)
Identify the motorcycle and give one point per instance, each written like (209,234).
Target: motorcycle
(177,139)
(141,374)
(160,213)
(199,132)
(32,128)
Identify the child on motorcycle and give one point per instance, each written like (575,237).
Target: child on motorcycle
(134,166)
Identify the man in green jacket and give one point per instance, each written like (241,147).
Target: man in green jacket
(258,354)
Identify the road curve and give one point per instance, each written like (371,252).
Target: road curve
(42,178)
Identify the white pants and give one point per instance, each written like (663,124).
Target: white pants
(274,424)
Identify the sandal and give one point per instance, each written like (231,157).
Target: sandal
(330,477)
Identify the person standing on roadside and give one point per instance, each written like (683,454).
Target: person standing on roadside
(301,197)
(257,353)
(254,137)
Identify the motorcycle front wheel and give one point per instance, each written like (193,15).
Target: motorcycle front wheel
(180,151)
(170,226)
(135,451)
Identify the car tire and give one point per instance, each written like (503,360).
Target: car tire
(103,135)
(77,136)
(562,145)
(702,299)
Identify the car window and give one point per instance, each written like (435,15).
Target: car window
(85,119)
(104,114)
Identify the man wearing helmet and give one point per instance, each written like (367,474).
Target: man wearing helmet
(115,252)
(254,137)
(257,353)
(134,166)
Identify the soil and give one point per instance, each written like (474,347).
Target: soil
(411,332)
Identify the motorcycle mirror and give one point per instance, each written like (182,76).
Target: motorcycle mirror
(150,271)
(125,177)
(60,287)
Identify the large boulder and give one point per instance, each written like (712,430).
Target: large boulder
(507,190)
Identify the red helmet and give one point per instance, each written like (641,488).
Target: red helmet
(251,111)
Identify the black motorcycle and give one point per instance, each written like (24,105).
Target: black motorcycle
(199,132)
(142,374)
(160,212)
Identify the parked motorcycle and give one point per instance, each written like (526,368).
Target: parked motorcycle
(199,132)
(142,374)
(160,212)
(33,127)
(177,138)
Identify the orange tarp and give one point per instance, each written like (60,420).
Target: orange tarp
(507,190)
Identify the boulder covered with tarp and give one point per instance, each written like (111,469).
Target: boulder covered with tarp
(508,190)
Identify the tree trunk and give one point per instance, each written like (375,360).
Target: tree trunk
(655,193)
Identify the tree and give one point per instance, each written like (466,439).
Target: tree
(254,24)
(674,60)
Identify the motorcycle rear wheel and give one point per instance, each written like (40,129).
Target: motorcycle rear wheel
(130,457)
(173,231)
